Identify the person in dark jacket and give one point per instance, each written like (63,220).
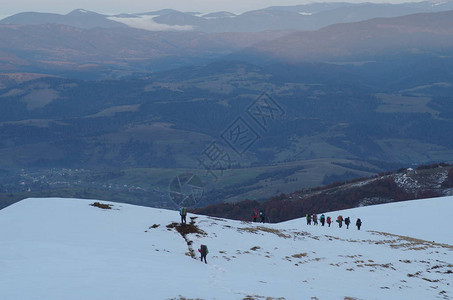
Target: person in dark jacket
(329,221)
(255,215)
(315,219)
(347,221)
(358,223)
(308,216)
(183,213)
(262,217)
(203,251)
(340,221)
(322,219)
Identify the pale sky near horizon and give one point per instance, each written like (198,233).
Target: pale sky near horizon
(9,7)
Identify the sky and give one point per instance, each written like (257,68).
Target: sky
(8,7)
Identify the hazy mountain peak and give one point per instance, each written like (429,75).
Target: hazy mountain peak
(81,12)
(162,12)
(220,14)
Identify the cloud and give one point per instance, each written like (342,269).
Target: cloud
(147,23)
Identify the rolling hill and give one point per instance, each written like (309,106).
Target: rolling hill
(362,41)
(65,248)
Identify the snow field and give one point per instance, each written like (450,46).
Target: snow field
(66,249)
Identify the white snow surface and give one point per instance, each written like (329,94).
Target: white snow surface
(57,248)
(427,219)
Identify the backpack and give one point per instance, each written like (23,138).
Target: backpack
(204,249)
(183,211)
(261,213)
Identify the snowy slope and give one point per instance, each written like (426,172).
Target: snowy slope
(428,219)
(67,249)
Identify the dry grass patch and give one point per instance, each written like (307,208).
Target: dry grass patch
(299,255)
(101,205)
(257,297)
(184,298)
(264,229)
(386,266)
(414,275)
(430,280)
(411,243)
(185,229)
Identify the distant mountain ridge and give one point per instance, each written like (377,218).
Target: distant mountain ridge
(300,17)
(416,34)
(118,52)
(77,18)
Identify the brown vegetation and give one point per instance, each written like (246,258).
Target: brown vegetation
(102,205)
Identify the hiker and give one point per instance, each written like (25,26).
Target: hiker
(347,221)
(255,215)
(203,251)
(183,213)
(323,219)
(358,223)
(262,217)
(308,216)
(340,221)
(315,219)
(329,220)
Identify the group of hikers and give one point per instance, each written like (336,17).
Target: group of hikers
(328,220)
(261,216)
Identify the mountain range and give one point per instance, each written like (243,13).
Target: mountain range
(417,33)
(124,52)
(136,107)
(299,17)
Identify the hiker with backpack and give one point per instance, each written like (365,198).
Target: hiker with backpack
(255,215)
(262,217)
(203,251)
(183,213)
(347,221)
(322,219)
(358,223)
(308,216)
(340,221)
(315,219)
(329,220)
